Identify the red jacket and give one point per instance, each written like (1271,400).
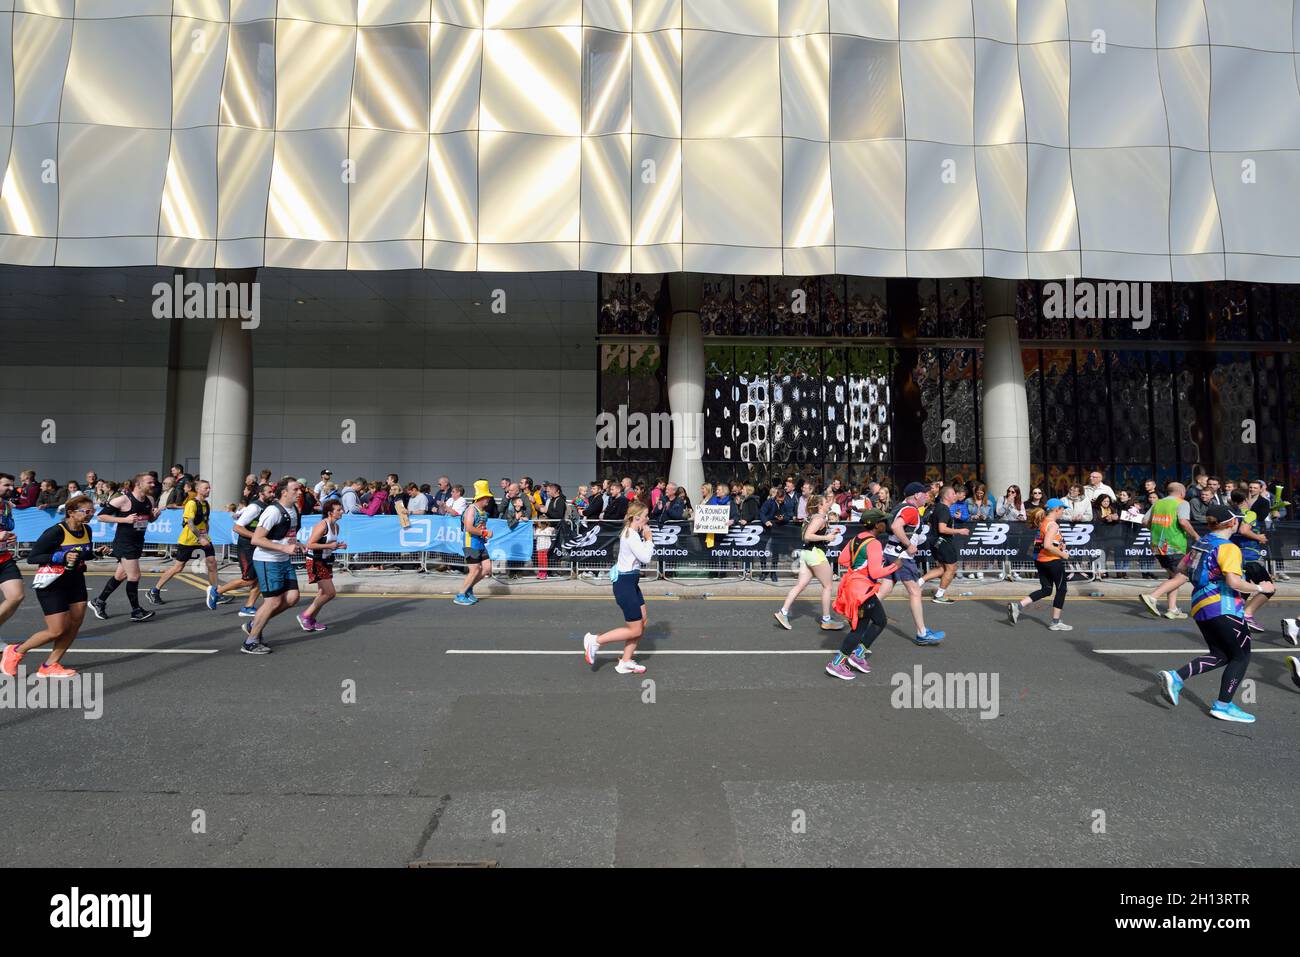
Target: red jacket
(27,495)
(859,585)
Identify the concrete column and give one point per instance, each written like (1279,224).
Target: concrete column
(686,383)
(226,431)
(1006,408)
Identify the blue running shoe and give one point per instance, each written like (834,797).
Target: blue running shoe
(473,598)
(1230,712)
(1171,685)
(212,598)
(931,637)
(463,599)
(248,611)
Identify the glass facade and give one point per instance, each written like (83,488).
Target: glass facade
(861,378)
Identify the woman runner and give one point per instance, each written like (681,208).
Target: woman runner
(635,548)
(863,562)
(321,546)
(61,551)
(1049,558)
(813,564)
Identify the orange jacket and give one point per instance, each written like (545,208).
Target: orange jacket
(859,585)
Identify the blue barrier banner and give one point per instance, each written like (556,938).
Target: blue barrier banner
(361,533)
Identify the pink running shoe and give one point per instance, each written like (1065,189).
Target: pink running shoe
(839,671)
(860,664)
(305,623)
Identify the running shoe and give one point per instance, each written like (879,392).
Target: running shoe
(1252,624)
(139,614)
(1291,630)
(305,623)
(833,625)
(1230,712)
(839,671)
(859,664)
(225,600)
(1293,663)
(473,598)
(254,648)
(48,670)
(931,637)
(589,648)
(212,598)
(100,608)
(1171,685)
(155,597)
(1175,614)
(248,611)
(943,600)
(462,600)
(782,619)
(1013,611)
(317,626)
(9,661)
(1150,604)
(1060,626)
(629,668)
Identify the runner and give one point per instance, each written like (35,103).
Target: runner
(864,575)
(636,547)
(194,538)
(477,564)
(1214,568)
(60,584)
(1170,521)
(131,512)
(900,549)
(1252,541)
(1050,556)
(321,546)
(245,525)
(275,543)
(11,579)
(945,547)
(813,564)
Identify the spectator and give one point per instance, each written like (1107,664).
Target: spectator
(1012,506)
(397,495)
(1037,499)
(1077,507)
(747,507)
(960,510)
(1216,487)
(596,506)
(616,504)
(580,501)
(1201,504)
(330,493)
(978,504)
(457,504)
(884,497)
(657,493)
(351,497)
(28,492)
(378,504)
(680,510)
(1097,487)
(1104,510)
(170,496)
(544,534)
(326,476)
(1130,506)
(801,507)
(417,502)
(50,495)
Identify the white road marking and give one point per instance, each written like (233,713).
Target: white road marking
(131,651)
(1186,651)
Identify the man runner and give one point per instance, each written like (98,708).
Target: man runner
(904,520)
(275,544)
(945,546)
(194,537)
(1252,541)
(131,512)
(245,525)
(477,563)
(1170,521)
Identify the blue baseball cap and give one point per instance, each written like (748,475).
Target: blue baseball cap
(1054,503)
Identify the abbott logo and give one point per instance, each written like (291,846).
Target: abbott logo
(1074,535)
(75,910)
(746,537)
(995,534)
(418,535)
(666,535)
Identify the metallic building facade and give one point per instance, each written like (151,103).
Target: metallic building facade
(1131,139)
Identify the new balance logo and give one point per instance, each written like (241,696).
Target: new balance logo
(586,540)
(1075,535)
(746,537)
(994,534)
(666,535)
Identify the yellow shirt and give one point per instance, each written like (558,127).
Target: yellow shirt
(196,516)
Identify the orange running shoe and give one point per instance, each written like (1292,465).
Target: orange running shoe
(55,671)
(10,660)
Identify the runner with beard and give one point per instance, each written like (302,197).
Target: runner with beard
(131,512)
(244,527)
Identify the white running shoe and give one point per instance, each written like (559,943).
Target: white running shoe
(629,668)
(589,647)
(1291,630)
(1060,626)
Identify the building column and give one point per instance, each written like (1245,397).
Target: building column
(1006,408)
(686,382)
(226,431)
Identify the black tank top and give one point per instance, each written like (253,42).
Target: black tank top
(128,531)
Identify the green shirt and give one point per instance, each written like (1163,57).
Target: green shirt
(1167,536)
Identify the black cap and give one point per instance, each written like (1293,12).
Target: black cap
(326,472)
(1221,513)
(915,488)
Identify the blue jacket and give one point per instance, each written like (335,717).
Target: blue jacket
(767,511)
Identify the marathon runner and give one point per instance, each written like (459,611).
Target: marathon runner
(474,524)
(275,544)
(245,525)
(1214,568)
(1050,556)
(1170,521)
(131,512)
(813,563)
(900,549)
(194,537)
(321,546)
(1252,541)
(945,546)
(11,579)
(864,573)
(60,583)
(636,547)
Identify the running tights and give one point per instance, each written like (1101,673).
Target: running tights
(1051,575)
(1229,641)
(871,622)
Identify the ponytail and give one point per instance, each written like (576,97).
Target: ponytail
(1036,518)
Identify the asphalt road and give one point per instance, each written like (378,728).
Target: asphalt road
(526,756)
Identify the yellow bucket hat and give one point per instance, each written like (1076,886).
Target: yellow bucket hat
(481,490)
